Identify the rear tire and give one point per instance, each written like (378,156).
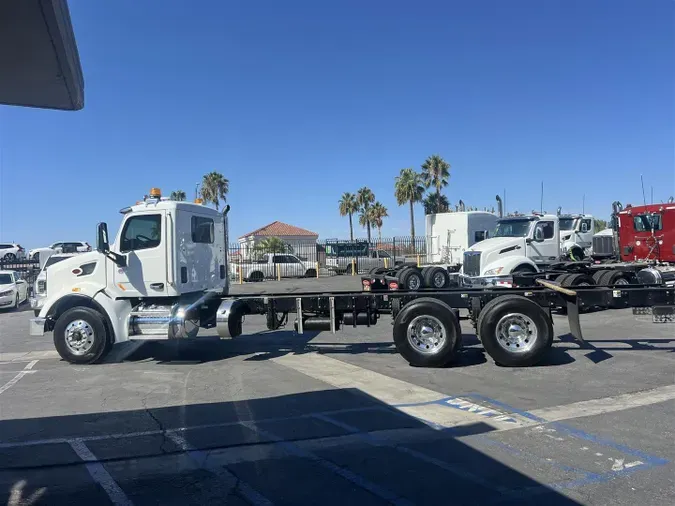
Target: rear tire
(611,278)
(577,280)
(426,332)
(436,277)
(9,257)
(256,276)
(311,273)
(411,279)
(515,331)
(80,336)
(523,269)
(377,270)
(597,277)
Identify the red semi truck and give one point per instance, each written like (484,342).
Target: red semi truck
(639,233)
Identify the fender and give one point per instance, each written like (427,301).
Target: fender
(568,245)
(115,312)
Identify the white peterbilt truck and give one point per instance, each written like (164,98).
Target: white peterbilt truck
(523,244)
(164,273)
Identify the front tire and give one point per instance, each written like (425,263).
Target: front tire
(426,333)
(80,336)
(9,257)
(515,331)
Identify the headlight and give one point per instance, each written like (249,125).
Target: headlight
(6,292)
(494,272)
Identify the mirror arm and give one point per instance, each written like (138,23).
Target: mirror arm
(120,260)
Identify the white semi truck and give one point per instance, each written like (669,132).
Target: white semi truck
(166,277)
(522,244)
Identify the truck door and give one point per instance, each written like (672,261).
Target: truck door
(544,248)
(585,232)
(142,242)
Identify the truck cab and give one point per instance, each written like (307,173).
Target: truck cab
(168,261)
(647,233)
(576,235)
(519,244)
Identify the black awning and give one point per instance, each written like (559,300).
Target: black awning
(39,62)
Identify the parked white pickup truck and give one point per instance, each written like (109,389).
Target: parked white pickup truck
(362,263)
(272,265)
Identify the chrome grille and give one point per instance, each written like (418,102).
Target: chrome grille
(472,263)
(603,245)
(41,286)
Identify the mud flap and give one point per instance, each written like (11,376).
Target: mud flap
(573,318)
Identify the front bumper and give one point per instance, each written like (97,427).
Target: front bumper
(37,326)
(37,302)
(486,281)
(7,300)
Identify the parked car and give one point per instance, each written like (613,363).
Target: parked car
(363,262)
(271,264)
(13,289)
(40,286)
(61,247)
(11,251)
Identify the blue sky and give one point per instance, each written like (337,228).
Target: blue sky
(298,101)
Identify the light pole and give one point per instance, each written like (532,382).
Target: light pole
(196,190)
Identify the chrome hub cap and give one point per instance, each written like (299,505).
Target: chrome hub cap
(439,280)
(426,334)
(79,337)
(516,333)
(414,282)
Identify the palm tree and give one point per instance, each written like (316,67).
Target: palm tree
(214,188)
(377,213)
(408,188)
(178,195)
(435,172)
(273,245)
(349,206)
(365,197)
(435,204)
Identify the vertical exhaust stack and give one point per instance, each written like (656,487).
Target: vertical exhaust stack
(500,208)
(671,200)
(462,207)
(558,211)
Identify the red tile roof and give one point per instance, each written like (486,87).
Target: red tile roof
(279,229)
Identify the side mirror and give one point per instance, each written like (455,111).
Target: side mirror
(102,243)
(538,235)
(584,227)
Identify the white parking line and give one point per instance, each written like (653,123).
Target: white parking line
(100,475)
(606,404)
(21,374)
(424,403)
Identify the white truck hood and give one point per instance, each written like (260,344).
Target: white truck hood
(497,243)
(7,287)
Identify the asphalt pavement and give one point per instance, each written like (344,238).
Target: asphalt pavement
(278,418)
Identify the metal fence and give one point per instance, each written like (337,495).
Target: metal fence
(276,259)
(29,270)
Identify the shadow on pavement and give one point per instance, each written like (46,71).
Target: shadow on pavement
(601,350)
(330,447)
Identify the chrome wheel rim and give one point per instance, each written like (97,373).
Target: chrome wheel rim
(426,334)
(79,337)
(621,281)
(516,333)
(414,282)
(439,280)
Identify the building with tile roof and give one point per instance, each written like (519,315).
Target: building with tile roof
(301,242)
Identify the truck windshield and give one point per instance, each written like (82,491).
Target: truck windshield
(647,222)
(566,223)
(513,228)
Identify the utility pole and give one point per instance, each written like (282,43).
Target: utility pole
(541,203)
(196,191)
(583,204)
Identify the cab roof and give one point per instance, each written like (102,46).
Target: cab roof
(167,205)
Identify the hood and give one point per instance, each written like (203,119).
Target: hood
(497,243)
(7,287)
(76,261)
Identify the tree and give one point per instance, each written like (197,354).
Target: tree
(214,188)
(433,203)
(408,188)
(178,195)
(600,225)
(435,172)
(348,206)
(365,197)
(378,212)
(273,245)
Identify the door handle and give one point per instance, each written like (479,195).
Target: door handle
(157,286)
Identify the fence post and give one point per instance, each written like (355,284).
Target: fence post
(241,276)
(278,272)
(317,270)
(394,248)
(386,263)
(418,260)
(353,266)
